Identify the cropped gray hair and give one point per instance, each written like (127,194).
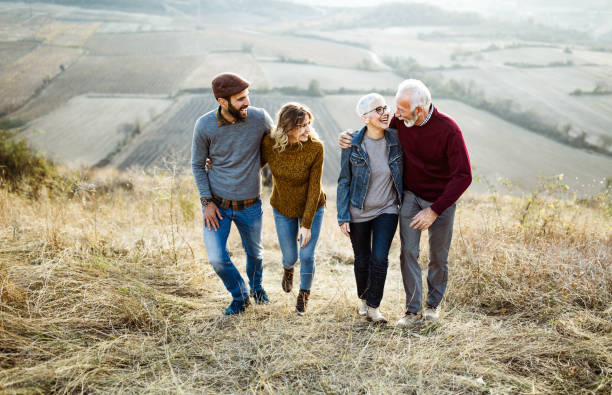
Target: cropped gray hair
(417,92)
(365,102)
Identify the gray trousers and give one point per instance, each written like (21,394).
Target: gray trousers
(440,235)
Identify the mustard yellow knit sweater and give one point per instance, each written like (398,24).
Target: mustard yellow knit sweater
(296,173)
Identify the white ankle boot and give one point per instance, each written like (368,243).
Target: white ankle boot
(363,308)
(374,315)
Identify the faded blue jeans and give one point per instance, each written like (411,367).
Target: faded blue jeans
(249,224)
(287,232)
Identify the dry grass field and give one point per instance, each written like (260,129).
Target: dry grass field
(595,57)
(540,56)
(66,34)
(88,128)
(403,43)
(273,46)
(11,51)
(162,43)
(20,80)
(331,78)
(215,63)
(17,23)
(132,75)
(182,43)
(110,291)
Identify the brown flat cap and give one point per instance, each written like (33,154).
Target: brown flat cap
(228,84)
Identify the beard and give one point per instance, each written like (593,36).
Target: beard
(410,123)
(413,118)
(236,112)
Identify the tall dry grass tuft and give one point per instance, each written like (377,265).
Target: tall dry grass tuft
(106,288)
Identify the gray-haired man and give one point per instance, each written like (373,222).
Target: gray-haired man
(436,173)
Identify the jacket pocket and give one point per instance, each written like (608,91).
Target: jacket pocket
(357,160)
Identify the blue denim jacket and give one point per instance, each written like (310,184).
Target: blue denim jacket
(355,173)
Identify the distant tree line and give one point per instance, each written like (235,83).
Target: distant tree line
(154,6)
(523,31)
(333,40)
(523,65)
(494,47)
(275,8)
(601,88)
(402,14)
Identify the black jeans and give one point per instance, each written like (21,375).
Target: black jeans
(371,242)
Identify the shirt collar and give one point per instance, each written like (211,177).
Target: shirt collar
(431,109)
(222,121)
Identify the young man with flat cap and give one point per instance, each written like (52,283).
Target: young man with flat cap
(230,137)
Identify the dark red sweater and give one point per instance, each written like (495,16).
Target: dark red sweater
(436,163)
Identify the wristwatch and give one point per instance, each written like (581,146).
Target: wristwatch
(205,201)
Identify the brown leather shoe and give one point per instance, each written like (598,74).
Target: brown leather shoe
(287,281)
(302,301)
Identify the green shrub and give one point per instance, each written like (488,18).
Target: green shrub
(21,168)
(11,123)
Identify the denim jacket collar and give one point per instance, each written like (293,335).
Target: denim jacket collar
(358,138)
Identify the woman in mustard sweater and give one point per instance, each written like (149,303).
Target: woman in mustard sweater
(295,156)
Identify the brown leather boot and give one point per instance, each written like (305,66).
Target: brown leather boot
(302,301)
(287,281)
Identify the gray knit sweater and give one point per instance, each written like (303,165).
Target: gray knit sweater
(234,150)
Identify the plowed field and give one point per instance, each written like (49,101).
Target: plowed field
(546,91)
(112,75)
(20,80)
(172,139)
(87,129)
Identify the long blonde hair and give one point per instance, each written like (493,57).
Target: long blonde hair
(290,116)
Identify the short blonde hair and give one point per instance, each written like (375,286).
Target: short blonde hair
(290,116)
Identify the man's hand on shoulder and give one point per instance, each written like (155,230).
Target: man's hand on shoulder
(345,138)
(423,220)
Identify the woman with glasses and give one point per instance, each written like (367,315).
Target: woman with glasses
(294,154)
(369,195)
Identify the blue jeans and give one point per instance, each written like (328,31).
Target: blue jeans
(371,242)
(287,232)
(249,224)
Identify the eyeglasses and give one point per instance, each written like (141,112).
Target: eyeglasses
(380,110)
